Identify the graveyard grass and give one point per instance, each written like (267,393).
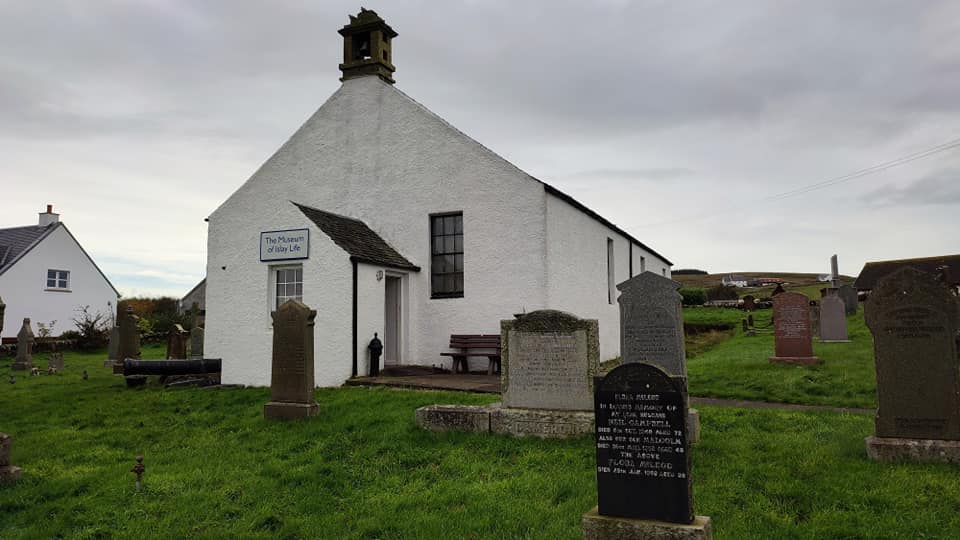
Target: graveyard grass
(738,368)
(217,469)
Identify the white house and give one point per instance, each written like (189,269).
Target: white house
(386,219)
(734,281)
(46,275)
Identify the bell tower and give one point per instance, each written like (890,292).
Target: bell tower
(367,47)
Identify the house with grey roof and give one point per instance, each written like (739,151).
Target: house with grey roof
(46,276)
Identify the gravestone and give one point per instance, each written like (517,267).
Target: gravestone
(25,341)
(291,379)
(749,303)
(55,361)
(914,320)
(644,487)
(113,347)
(849,296)
(8,473)
(651,329)
(196,342)
(833,320)
(177,343)
(793,343)
(129,342)
(549,360)
(815,318)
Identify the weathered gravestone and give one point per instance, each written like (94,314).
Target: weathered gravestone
(129,342)
(849,296)
(914,320)
(814,318)
(644,487)
(25,341)
(177,343)
(833,320)
(55,361)
(651,329)
(113,347)
(549,360)
(749,303)
(793,343)
(8,473)
(291,380)
(196,342)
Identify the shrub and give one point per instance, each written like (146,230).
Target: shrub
(92,331)
(722,292)
(693,296)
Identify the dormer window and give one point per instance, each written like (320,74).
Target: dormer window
(58,280)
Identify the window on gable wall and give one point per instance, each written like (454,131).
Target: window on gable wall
(289,284)
(58,279)
(611,279)
(446,250)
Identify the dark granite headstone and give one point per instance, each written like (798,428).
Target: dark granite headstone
(793,342)
(291,380)
(129,339)
(749,303)
(849,296)
(643,458)
(833,319)
(651,323)
(25,341)
(196,342)
(549,361)
(914,318)
(177,343)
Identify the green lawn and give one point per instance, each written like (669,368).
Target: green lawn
(216,469)
(738,368)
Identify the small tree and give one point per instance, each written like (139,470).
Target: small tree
(693,297)
(722,292)
(92,331)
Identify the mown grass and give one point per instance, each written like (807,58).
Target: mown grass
(216,469)
(739,368)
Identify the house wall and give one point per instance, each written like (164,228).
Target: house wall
(577,269)
(372,153)
(23,286)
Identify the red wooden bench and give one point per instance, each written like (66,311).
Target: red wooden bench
(474,345)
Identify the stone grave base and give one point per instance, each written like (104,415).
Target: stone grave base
(597,527)
(283,410)
(547,424)
(10,474)
(795,360)
(889,449)
(22,366)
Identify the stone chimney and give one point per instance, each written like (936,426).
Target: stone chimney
(366,47)
(48,217)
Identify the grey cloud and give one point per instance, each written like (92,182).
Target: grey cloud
(939,188)
(642,173)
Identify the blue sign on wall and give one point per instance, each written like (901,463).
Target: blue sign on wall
(287,245)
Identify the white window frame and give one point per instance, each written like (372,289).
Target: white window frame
(60,276)
(272,283)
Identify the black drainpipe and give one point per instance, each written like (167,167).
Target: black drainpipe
(354,261)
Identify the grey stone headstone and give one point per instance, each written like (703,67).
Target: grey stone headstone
(849,296)
(25,340)
(651,323)
(549,361)
(113,348)
(196,342)
(292,376)
(8,473)
(914,320)
(55,361)
(129,346)
(833,319)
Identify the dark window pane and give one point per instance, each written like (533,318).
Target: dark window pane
(299,274)
(449,263)
(437,245)
(51,274)
(300,290)
(458,243)
(437,225)
(51,283)
(458,283)
(450,225)
(62,284)
(448,244)
(458,263)
(459,225)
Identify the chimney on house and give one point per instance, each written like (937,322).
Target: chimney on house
(48,217)
(366,47)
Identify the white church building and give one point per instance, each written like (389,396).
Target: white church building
(46,276)
(387,220)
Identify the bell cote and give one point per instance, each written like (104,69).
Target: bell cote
(367,47)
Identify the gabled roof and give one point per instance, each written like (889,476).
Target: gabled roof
(16,242)
(357,239)
(873,271)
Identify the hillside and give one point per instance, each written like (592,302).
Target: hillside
(806,283)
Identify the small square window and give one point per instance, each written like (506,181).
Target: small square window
(58,279)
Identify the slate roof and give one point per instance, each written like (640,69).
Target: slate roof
(357,239)
(873,271)
(17,241)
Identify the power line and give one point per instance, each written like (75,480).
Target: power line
(954,143)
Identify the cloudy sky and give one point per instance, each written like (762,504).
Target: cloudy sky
(696,126)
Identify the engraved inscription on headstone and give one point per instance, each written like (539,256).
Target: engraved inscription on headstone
(651,323)
(292,381)
(793,342)
(914,319)
(643,459)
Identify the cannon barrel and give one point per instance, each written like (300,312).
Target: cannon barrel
(171,367)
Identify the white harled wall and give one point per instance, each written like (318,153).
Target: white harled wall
(23,287)
(374,154)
